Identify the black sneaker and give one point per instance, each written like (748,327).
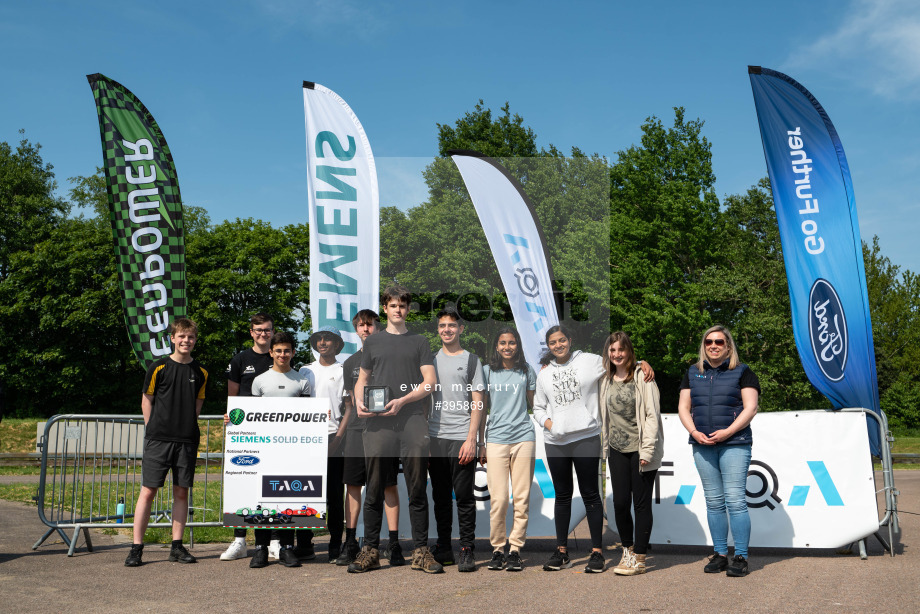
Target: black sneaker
(467,562)
(738,567)
(716,564)
(348,555)
(305,551)
(596,564)
(559,560)
(287,557)
(393,552)
(178,554)
(443,554)
(260,558)
(334,551)
(134,557)
(514,561)
(498,560)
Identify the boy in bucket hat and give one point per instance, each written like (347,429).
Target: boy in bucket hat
(326,377)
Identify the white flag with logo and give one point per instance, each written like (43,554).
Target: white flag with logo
(344,218)
(518,247)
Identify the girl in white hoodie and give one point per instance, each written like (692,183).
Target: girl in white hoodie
(565,404)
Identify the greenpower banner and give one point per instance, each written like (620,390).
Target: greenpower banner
(146,213)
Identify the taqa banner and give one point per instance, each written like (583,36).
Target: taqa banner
(541,521)
(803,490)
(816,212)
(146,213)
(275,462)
(344,209)
(518,246)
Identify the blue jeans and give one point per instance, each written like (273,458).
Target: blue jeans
(723,472)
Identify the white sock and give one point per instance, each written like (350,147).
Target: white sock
(241,540)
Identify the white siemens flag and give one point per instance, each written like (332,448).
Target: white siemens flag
(344,214)
(520,253)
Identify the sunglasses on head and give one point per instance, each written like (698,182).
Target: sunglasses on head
(719,342)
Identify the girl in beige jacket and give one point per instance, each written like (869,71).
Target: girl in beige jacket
(634,445)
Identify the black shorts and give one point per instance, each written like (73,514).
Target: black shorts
(161,456)
(355,471)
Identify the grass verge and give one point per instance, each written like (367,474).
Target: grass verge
(25,493)
(17,435)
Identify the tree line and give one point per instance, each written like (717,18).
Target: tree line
(640,243)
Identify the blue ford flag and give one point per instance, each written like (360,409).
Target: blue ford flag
(816,211)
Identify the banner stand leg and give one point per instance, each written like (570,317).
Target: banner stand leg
(891,493)
(881,540)
(862,549)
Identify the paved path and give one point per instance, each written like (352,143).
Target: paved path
(780,580)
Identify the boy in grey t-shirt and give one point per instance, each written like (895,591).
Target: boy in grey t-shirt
(455,427)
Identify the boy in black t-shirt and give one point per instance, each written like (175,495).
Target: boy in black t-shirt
(251,362)
(171,402)
(242,370)
(401,361)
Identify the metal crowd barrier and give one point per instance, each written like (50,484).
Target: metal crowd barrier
(92,463)
(890,519)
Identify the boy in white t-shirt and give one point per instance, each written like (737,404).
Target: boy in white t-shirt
(326,377)
(279,381)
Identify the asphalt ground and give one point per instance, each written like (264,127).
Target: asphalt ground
(780,579)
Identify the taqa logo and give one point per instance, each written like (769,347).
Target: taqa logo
(827,329)
(292,486)
(527,282)
(245,460)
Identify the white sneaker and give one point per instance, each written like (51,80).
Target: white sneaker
(274,550)
(237,550)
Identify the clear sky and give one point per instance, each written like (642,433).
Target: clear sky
(223,80)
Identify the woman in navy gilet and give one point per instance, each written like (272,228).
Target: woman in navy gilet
(718,400)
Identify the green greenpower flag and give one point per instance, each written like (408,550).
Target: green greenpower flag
(146,214)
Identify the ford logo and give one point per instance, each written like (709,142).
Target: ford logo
(245,460)
(827,328)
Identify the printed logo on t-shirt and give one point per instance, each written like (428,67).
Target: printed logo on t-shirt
(566,388)
(280,387)
(249,369)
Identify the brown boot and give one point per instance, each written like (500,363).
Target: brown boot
(368,559)
(423,560)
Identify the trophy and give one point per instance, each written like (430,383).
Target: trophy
(376,398)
